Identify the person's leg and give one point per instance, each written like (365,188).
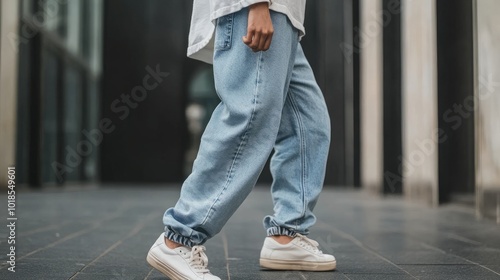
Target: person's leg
(298,168)
(301,150)
(242,131)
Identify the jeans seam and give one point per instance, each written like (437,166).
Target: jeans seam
(302,151)
(224,43)
(242,143)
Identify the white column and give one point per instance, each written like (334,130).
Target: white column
(419,98)
(371,99)
(487,108)
(9,18)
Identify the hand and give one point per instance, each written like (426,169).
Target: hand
(260,27)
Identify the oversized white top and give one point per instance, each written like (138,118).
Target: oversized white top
(205,12)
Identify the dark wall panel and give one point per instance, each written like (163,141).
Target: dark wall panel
(149,133)
(392,131)
(455,99)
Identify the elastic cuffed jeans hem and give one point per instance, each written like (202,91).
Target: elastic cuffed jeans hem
(280,231)
(175,237)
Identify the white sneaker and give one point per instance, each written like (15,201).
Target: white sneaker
(180,263)
(301,253)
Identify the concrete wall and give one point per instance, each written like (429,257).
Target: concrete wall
(419,98)
(487,108)
(8,90)
(371,95)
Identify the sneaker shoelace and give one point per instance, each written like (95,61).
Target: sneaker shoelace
(308,243)
(198,259)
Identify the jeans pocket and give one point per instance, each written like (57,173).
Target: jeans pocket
(224,32)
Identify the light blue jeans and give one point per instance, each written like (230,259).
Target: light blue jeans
(268,100)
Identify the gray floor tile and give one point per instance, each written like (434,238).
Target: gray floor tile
(91,233)
(450,272)
(422,257)
(369,268)
(494,267)
(370,276)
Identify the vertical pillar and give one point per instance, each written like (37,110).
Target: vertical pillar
(487,104)
(9,17)
(392,138)
(370,48)
(455,63)
(419,98)
(349,99)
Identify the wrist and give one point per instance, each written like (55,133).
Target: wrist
(260,5)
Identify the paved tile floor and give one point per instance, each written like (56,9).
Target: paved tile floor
(105,233)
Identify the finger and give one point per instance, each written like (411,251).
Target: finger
(255,41)
(263,41)
(266,44)
(247,39)
(269,39)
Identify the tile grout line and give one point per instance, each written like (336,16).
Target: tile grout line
(149,274)
(464,239)
(362,246)
(459,238)
(43,229)
(71,236)
(131,233)
(467,260)
(432,248)
(226,252)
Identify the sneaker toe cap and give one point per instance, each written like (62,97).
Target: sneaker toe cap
(328,258)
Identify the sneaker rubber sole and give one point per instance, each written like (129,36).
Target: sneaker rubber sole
(297,265)
(165,269)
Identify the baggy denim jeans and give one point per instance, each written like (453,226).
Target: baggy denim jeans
(268,100)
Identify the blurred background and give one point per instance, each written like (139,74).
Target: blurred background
(101,92)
